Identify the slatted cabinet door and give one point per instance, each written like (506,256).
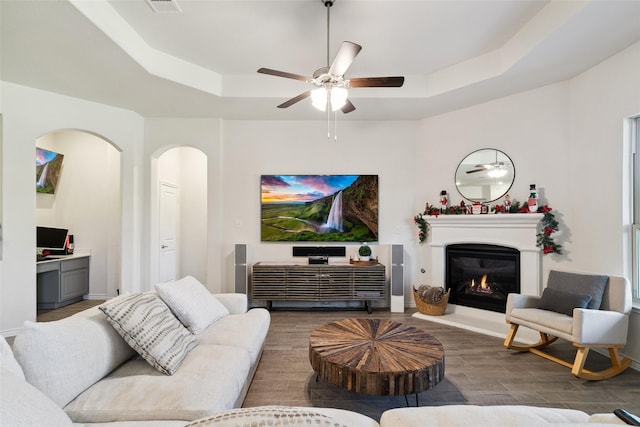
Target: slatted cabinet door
(289,282)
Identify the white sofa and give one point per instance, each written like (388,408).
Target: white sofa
(493,416)
(85,367)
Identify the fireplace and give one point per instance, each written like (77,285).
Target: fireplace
(481,275)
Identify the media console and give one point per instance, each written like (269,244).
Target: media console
(317,282)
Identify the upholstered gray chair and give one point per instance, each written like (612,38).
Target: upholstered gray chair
(591,311)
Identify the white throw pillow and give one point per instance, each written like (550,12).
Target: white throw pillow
(149,327)
(192,303)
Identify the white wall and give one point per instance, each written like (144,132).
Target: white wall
(531,127)
(28,114)
(204,135)
(568,139)
(186,168)
(254,148)
(87,202)
(601,100)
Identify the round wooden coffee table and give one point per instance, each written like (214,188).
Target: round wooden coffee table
(376,356)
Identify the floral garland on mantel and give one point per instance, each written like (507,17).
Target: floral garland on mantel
(544,238)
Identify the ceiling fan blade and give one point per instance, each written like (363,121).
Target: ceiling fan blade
(345,56)
(377,82)
(292,101)
(477,170)
(283,74)
(348,107)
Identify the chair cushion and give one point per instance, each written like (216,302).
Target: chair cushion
(586,284)
(192,303)
(562,301)
(149,327)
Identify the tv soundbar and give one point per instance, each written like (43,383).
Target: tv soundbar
(306,251)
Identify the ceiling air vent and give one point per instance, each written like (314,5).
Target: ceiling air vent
(163,6)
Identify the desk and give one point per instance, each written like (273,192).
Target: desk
(62,281)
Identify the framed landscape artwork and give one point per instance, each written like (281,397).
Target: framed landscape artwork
(319,208)
(48,167)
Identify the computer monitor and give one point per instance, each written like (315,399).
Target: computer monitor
(49,238)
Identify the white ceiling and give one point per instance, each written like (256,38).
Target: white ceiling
(202,62)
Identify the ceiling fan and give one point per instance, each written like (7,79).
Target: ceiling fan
(488,166)
(331,85)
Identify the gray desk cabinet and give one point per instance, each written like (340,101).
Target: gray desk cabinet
(62,281)
(337,282)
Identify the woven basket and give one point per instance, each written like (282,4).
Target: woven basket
(431,309)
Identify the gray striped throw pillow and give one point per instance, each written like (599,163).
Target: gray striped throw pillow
(149,327)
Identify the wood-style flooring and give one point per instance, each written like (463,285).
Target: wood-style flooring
(478,371)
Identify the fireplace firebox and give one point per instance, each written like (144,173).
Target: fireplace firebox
(481,276)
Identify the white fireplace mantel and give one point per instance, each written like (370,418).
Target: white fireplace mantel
(518,231)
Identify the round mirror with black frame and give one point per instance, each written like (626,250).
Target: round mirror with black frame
(485,175)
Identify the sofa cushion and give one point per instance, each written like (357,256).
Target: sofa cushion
(149,327)
(8,360)
(586,284)
(64,357)
(209,381)
(471,415)
(192,303)
(562,301)
(276,416)
(247,331)
(22,405)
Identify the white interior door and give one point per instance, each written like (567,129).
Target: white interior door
(168,232)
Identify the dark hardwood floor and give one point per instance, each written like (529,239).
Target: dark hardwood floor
(478,371)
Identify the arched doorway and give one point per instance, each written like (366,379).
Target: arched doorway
(179,205)
(87,201)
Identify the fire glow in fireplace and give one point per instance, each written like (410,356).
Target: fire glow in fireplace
(481,276)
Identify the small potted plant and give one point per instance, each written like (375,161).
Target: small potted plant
(364,253)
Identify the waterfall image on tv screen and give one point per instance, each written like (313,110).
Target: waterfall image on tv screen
(328,208)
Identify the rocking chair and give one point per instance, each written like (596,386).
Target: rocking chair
(588,310)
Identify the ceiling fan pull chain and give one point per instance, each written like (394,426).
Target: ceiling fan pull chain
(335,126)
(328,123)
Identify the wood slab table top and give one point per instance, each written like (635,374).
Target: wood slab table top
(376,356)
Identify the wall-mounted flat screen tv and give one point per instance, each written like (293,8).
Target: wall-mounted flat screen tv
(48,167)
(327,208)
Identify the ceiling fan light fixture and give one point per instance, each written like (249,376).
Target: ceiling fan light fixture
(319,98)
(336,97)
(497,172)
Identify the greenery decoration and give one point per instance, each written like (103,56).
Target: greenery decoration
(364,250)
(544,238)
